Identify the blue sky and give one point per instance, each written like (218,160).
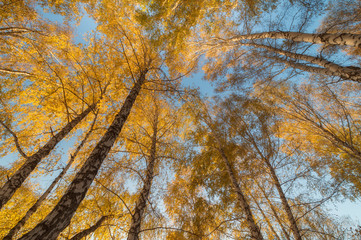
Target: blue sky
(344,209)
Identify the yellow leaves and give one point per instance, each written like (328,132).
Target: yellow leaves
(15,209)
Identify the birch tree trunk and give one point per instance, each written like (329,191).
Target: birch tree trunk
(303,67)
(286,206)
(255,231)
(347,73)
(9,188)
(274,211)
(38,203)
(137,216)
(317,38)
(59,218)
(266,218)
(276,182)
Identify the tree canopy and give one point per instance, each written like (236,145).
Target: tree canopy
(101,138)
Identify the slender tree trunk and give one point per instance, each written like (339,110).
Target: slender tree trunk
(59,218)
(90,230)
(265,217)
(9,188)
(276,182)
(303,67)
(286,206)
(133,233)
(10,31)
(38,203)
(255,231)
(348,73)
(326,38)
(275,214)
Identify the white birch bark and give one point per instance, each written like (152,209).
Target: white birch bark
(59,218)
(316,70)
(9,188)
(317,38)
(40,200)
(347,73)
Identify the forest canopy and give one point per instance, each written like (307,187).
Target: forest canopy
(115,132)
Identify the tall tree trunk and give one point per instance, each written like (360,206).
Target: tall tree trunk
(59,218)
(286,206)
(89,230)
(137,216)
(9,188)
(255,231)
(303,67)
(276,182)
(347,73)
(274,211)
(325,38)
(265,218)
(38,203)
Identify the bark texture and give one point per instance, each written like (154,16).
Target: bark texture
(254,229)
(329,68)
(59,218)
(9,188)
(325,38)
(133,233)
(38,203)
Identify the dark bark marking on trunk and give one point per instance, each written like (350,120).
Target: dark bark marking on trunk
(59,218)
(9,188)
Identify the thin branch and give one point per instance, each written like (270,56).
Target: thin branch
(170,228)
(121,199)
(16,72)
(17,144)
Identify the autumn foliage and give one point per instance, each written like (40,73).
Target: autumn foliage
(116,133)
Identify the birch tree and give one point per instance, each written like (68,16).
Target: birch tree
(261,140)
(216,138)
(61,215)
